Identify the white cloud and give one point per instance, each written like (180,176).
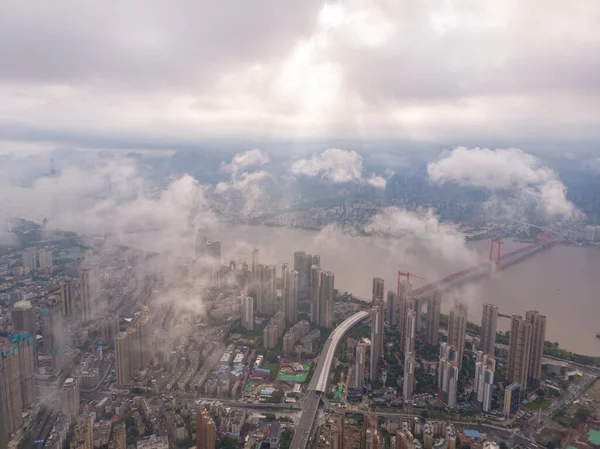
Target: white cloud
(248,184)
(504,169)
(338,166)
(242,161)
(442,242)
(303,69)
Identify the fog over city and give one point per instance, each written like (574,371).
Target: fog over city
(281,224)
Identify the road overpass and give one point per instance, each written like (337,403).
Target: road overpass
(318,383)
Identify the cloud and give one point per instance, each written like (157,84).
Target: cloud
(508,170)
(242,161)
(337,166)
(424,233)
(78,72)
(247,184)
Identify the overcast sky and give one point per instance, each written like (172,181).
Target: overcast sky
(161,73)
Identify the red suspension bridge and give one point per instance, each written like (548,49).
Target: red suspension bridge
(495,261)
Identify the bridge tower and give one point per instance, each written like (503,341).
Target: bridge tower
(498,244)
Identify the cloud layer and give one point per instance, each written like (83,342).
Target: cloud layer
(149,74)
(337,166)
(504,169)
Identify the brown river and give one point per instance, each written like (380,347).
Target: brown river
(561,282)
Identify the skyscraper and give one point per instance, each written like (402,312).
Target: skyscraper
(302,264)
(457,329)
(411,331)
(512,398)
(434,306)
(45,260)
(205,430)
(213,251)
(315,294)
(392,308)
(378,288)
(24,319)
(10,388)
(360,365)
(70,397)
(53,331)
(375,345)
(417,306)
(538,335)
(267,293)
(378,296)
(326,300)
(448,375)
(247,312)
(519,350)
(69,302)
(254,260)
(86,283)
(30,259)
(127,355)
(25,346)
(145,336)
(484,380)
(408,386)
(489,320)
(290,297)
(404,305)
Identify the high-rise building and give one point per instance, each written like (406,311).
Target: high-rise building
(408,386)
(434,306)
(316,260)
(391,308)
(378,288)
(489,321)
(457,329)
(109,328)
(404,305)
(326,300)
(205,430)
(302,264)
(448,374)
(485,367)
(145,336)
(417,306)
(315,294)
(519,351)
(290,297)
(30,259)
(69,299)
(10,388)
(25,346)
(45,260)
(84,433)
(378,300)
(360,365)
(69,397)
(247,312)
(53,331)
(254,260)
(122,358)
(128,355)
(376,338)
(512,398)
(213,251)
(411,331)
(267,289)
(538,335)
(24,319)
(201,244)
(88,296)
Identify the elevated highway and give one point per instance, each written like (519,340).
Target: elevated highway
(318,383)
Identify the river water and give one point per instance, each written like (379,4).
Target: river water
(561,282)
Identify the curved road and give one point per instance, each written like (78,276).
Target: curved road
(318,384)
